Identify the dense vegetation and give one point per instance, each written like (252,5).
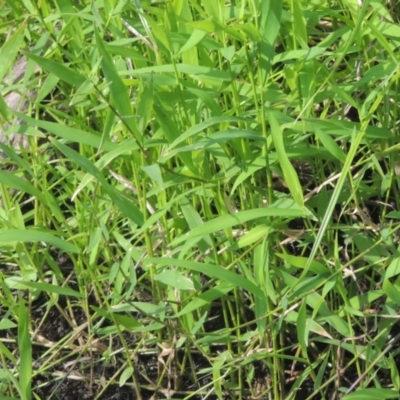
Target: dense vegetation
(208,205)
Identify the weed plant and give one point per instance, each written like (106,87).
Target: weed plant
(209,204)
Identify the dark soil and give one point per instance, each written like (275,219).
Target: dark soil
(79,371)
(83,374)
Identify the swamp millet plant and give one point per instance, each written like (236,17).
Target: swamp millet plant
(199,200)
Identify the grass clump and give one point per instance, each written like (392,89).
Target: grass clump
(208,204)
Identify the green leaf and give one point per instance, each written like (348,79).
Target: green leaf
(49,288)
(299,24)
(302,332)
(254,235)
(220,137)
(35,236)
(126,207)
(330,145)
(321,373)
(393,214)
(217,367)
(8,354)
(10,48)
(372,394)
(357,137)
(207,297)
(342,128)
(229,220)
(145,308)
(5,323)
(25,352)
(196,71)
(393,269)
(119,92)
(175,279)
(301,262)
(211,270)
(126,374)
(290,174)
(194,130)
(126,321)
(196,37)
(64,73)
(155,174)
(391,291)
(270,20)
(12,181)
(123,49)
(72,134)
(4,109)
(145,105)
(305,54)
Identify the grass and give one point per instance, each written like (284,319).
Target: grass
(208,208)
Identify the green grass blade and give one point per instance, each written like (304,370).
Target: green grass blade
(213,271)
(329,211)
(25,351)
(241,217)
(118,90)
(9,50)
(48,288)
(35,236)
(290,174)
(71,134)
(127,207)
(372,394)
(66,74)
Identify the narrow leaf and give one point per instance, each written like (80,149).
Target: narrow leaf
(119,92)
(211,270)
(64,73)
(9,50)
(49,288)
(290,174)
(126,207)
(34,236)
(25,351)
